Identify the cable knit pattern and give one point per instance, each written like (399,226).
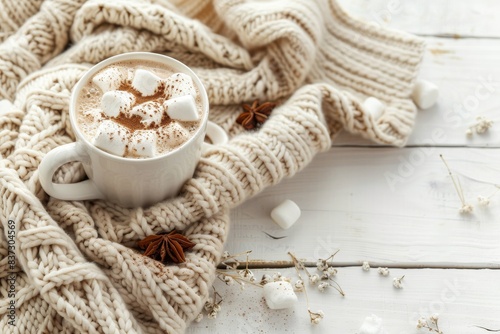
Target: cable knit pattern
(13,14)
(78,269)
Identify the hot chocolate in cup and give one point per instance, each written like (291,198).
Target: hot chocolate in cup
(140,121)
(139,109)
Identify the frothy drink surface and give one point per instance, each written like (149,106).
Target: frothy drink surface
(139,109)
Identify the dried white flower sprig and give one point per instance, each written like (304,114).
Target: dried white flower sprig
(199,317)
(485,200)
(466,207)
(431,325)
(397,282)
(232,275)
(299,285)
(328,272)
(481,126)
(212,306)
(384,271)
(316,317)
(366,266)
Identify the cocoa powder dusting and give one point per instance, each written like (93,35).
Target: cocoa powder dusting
(132,123)
(165,120)
(159,96)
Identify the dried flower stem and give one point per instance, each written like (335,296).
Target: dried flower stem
(216,294)
(466,208)
(495,192)
(338,288)
(240,254)
(237,278)
(299,265)
(431,325)
(228,257)
(332,256)
(212,307)
(315,317)
(246,275)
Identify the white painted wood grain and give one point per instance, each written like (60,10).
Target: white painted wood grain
(463,299)
(467,73)
(430,17)
(381,204)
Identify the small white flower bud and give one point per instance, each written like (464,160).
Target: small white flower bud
(323,286)
(397,282)
(331,271)
(321,265)
(421,323)
(383,271)
(299,285)
(483,201)
(466,209)
(434,318)
(313,279)
(366,266)
(228,280)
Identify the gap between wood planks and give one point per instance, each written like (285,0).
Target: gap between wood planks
(375,146)
(256,264)
(454,36)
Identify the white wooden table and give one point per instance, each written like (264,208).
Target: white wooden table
(395,208)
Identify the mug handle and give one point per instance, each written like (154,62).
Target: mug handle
(87,189)
(216,134)
(74,191)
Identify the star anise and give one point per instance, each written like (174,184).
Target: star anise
(165,246)
(255,114)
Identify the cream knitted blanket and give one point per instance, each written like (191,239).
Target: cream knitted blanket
(76,268)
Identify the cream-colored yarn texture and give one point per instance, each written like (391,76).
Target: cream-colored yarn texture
(77,269)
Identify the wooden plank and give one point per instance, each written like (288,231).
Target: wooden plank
(461,298)
(468,76)
(395,207)
(457,18)
(385,205)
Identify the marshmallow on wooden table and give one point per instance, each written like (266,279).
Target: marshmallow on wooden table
(182,108)
(143,143)
(179,84)
(279,295)
(111,137)
(286,214)
(109,79)
(425,94)
(116,101)
(372,325)
(374,106)
(146,82)
(151,113)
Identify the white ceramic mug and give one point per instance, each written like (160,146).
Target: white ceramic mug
(128,182)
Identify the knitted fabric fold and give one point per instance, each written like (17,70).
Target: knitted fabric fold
(78,269)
